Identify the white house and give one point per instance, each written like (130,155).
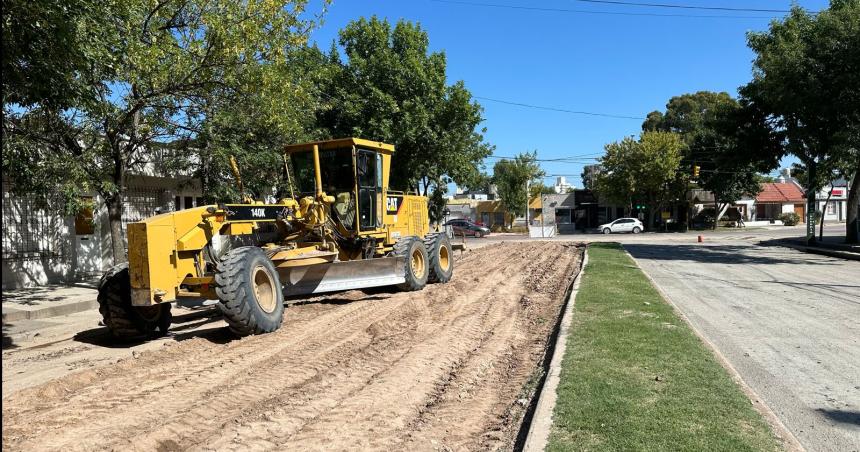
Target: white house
(837,208)
(42,246)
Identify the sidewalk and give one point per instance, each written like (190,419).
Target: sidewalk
(48,301)
(833,246)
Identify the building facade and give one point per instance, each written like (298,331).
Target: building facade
(43,246)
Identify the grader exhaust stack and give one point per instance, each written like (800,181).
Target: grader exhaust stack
(342,228)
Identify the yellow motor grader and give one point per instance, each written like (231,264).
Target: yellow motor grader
(342,228)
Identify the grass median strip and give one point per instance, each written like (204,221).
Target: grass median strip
(635,377)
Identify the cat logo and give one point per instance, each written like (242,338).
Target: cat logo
(392,204)
(258,213)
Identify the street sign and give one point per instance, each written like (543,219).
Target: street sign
(810,224)
(665,215)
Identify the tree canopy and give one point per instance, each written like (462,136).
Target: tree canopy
(511,178)
(390,87)
(641,169)
(142,74)
(806,87)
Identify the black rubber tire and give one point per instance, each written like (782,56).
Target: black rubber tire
(607,231)
(439,245)
(405,248)
(234,284)
(479,234)
(125,321)
(636,230)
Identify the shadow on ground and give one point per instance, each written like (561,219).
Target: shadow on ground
(190,325)
(717,254)
(179,331)
(843,417)
(8,343)
(32,296)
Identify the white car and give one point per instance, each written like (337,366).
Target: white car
(622,225)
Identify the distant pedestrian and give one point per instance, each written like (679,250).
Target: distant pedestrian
(741,222)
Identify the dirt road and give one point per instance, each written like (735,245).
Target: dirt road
(448,367)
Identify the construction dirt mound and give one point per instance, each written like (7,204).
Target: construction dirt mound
(451,367)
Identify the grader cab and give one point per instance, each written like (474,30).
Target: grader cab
(341,228)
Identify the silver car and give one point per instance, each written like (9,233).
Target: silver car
(622,225)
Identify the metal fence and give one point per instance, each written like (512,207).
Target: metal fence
(31,231)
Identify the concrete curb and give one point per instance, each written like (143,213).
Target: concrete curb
(819,250)
(783,434)
(13,315)
(541,425)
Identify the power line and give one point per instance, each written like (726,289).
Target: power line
(664,5)
(587,11)
(560,110)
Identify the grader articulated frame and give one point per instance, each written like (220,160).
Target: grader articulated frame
(342,229)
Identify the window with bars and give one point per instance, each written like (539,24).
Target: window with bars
(32,232)
(140,204)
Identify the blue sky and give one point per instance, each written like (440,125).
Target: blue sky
(613,64)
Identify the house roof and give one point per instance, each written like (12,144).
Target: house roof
(779,192)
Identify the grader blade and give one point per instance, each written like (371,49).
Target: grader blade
(346,275)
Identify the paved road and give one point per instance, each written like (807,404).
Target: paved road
(789,322)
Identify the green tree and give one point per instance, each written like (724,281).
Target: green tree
(46,43)
(689,115)
(540,188)
(255,125)
(391,88)
(588,174)
(154,73)
(724,172)
(699,119)
(511,178)
(645,169)
(615,181)
(806,86)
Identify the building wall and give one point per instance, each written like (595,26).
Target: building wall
(37,246)
(43,246)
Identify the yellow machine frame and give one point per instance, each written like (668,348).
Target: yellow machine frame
(170,255)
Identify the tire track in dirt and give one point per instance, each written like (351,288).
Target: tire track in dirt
(389,370)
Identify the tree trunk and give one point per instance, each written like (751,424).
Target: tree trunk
(851,225)
(716,213)
(114,208)
(823,211)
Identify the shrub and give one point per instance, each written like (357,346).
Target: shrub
(789,219)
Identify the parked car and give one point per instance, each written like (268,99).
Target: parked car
(622,225)
(467,227)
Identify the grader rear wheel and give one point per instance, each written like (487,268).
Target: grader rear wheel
(124,320)
(440,256)
(416,268)
(248,286)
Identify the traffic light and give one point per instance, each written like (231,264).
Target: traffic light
(695,171)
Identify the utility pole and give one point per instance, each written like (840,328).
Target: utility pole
(527,204)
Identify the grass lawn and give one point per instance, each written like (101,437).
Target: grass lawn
(635,377)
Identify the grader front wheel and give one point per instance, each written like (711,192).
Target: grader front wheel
(248,286)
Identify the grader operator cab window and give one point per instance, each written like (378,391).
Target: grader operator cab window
(367,168)
(339,179)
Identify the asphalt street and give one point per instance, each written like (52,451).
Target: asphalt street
(787,321)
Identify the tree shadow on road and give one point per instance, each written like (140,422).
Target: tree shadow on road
(719,254)
(842,417)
